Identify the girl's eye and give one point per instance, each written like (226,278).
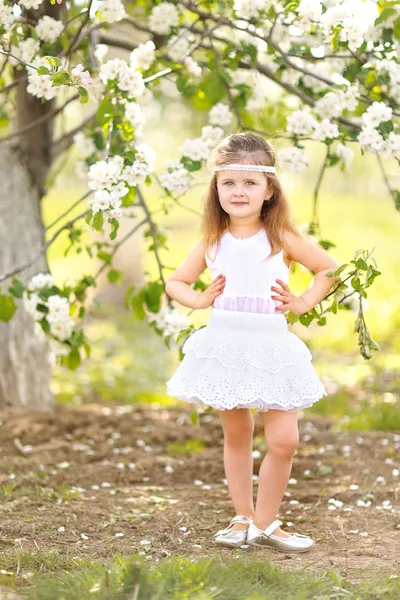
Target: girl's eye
(226,182)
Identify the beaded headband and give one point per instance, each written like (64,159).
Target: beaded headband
(241,167)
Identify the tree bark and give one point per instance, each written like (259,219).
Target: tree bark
(24,359)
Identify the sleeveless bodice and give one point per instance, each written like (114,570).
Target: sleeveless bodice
(250,272)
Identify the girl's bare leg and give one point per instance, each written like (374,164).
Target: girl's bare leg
(282,436)
(238,427)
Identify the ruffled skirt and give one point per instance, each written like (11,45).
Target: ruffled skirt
(246,360)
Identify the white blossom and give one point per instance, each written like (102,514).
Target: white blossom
(112,69)
(345,153)
(169,320)
(178,45)
(300,122)
(249,8)
(292,159)
(220,114)
(349,98)
(103,173)
(134,114)
(329,106)
(310,11)
(377,113)
(84,144)
(30,3)
(131,81)
(41,280)
(336,14)
(111,11)
(25,51)
(193,68)
(371,140)
(6,15)
(212,135)
(176,178)
(394,143)
(325,130)
(352,33)
(48,29)
(143,56)
(196,149)
(163,17)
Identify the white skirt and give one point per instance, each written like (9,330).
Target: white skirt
(246,360)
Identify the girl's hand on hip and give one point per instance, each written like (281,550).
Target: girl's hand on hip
(296,304)
(206,298)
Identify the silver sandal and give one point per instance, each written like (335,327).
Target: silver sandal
(265,538)
(233,538)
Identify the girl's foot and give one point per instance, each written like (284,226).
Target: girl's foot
(232,536)
(269,538)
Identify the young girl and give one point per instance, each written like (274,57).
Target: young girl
(246,357)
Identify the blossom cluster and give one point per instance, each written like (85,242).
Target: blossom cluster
(110,179)
(128,79)
(55,310)
(163,18)
(111,11)
(178,179)
(6,15)
(169,320)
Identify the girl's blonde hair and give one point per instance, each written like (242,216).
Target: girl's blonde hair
(275,214)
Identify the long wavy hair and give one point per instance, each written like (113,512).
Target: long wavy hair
(275,213)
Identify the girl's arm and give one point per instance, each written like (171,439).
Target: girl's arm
(178,285)
(315,258)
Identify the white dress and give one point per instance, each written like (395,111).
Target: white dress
(246,357)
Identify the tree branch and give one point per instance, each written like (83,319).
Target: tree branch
(153,230)
(62,144)
(39,121)
(28,264)
(69,209)
(122,241)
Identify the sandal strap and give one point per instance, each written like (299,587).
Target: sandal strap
(271,528)
(240,519)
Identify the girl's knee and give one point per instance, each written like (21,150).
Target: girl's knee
(238,428)
(284,446)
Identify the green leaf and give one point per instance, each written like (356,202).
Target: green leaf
(74,359)
(306,319)
(128,296)
(130,197)
(43,71)
(61,78)
(355,282)
(105,257)
(115,225)
(83,94)
(114,275)
(105,112)
(7,308)
(292,318)
(17,289)
(152,296)
(137,306)
(89,217)
(98,221)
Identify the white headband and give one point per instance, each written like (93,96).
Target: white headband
(241,167)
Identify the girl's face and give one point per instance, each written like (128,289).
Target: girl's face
(242,194)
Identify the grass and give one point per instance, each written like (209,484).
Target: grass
(45,575)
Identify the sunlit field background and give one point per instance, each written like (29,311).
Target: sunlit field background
(131,363)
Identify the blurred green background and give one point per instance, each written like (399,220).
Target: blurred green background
(130,363)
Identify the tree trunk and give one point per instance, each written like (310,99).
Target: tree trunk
(24,359)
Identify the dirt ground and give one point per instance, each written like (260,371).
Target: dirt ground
(101,480)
